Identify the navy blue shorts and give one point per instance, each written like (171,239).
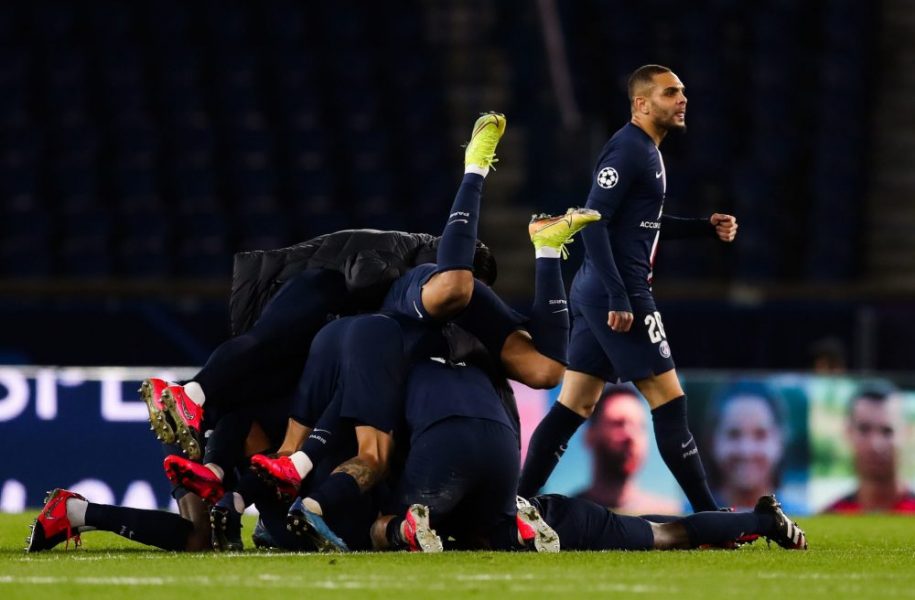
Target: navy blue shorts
(466,471)
(597,350)
(585,525)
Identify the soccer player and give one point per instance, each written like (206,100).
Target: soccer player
(430,295)
(460,476)
(585,525)
(617,333)
(280,299)
(876,430)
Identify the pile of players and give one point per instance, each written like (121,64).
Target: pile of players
(363,402)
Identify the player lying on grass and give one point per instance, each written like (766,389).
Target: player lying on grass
(585,525)
(579,524)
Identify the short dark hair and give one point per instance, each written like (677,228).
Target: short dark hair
(484,262)
(643,76)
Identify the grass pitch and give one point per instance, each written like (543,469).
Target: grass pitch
(859,557)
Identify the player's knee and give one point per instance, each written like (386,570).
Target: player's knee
(546,376)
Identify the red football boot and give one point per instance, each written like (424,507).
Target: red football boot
(151,392)
(52,525)
(187,417)
(194,477)
(418,533)
(280,473)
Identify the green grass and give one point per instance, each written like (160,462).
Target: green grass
(865,557)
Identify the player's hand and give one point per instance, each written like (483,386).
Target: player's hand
(619,320)
(725,226)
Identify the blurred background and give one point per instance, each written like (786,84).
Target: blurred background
(143,143)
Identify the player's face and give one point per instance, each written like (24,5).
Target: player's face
(618,439)
(874,434)
(748,444)
(667,102)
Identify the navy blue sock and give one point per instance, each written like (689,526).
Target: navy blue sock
(459,238)
(152,527)
(318,441)
(547,445)
(549,322)
(335,494)
(680,453)
(253,489)
(393,535)
(720,527)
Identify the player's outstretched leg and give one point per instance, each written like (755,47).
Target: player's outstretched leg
(66,514)
(535,533)
(447,290)
(549,322)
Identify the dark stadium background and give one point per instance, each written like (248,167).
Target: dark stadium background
(145,142)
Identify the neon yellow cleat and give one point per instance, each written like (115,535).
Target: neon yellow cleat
(487,131)
(555,232)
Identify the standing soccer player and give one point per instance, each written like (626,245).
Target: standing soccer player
(617,332)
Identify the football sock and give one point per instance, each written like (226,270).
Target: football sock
(76,512)
(720,527)
(152,527)
(217,470)
(547,445)
(394,533)
(549,322)
(193,391)
(680,453)
(459,238)
(336,493)
(302,463)
(318,441)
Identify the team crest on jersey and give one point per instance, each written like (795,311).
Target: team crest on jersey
(664,349)
(607,177)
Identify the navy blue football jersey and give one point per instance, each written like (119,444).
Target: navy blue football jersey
(628,190)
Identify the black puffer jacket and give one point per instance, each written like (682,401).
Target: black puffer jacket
(369,259)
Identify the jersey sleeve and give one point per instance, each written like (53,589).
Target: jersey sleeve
(676,228)
(612,180)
